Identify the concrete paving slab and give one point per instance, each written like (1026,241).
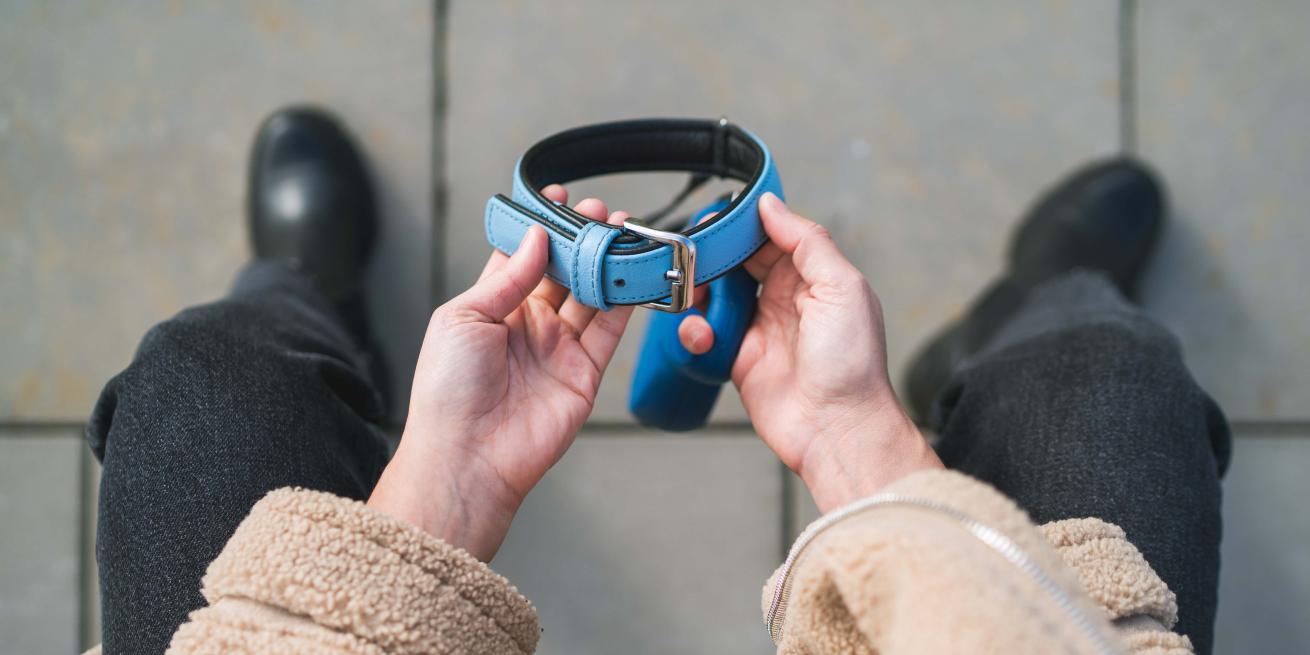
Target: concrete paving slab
(1223,110)
(650,544)
(1264,583)
(917,136)
(40,509)
(124,132)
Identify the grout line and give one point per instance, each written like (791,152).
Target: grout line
(788,512)
(609,427)
(440,56)
(83,534)
(1128,76)
(43,427)
(1259,428)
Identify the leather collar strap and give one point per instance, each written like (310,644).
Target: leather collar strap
(607,265)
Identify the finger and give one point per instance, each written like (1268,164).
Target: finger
(553,192)
(760,263)
(556,193)
(701,295)
(602,335)
(592,208)
(552,292)
(505,288)
(618,217)
(695,334)
(575,313)
(812,249)
(549,290)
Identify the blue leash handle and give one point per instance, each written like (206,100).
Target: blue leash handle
(674,390)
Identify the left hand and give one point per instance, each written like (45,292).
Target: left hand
(506,377)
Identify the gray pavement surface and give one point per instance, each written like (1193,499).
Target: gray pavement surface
(917,133)
(1224,111)
(633,543)
(124,133)
(40,540)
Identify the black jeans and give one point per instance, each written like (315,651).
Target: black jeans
(222,404)
(1081,408)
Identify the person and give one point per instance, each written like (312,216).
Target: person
(248,502)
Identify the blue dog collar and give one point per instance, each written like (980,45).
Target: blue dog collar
(605,265)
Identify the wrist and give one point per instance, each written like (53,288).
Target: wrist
(856,462)
(457,502)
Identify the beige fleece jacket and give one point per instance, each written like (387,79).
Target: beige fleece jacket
(308,572)
(908,576)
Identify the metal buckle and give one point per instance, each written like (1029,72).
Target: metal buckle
(682,277)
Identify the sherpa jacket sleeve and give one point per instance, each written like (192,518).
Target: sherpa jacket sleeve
(309,572)
(912,572)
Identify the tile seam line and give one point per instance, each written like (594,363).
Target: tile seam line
(438,160)
(1288,426)
(41,426)
(1127,54)
(85,568)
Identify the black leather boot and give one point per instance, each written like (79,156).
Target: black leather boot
(311,204)
(1105,217)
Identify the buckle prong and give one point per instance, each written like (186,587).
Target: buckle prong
(682,276)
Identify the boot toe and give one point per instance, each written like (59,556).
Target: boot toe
(1105,217)
(311,203)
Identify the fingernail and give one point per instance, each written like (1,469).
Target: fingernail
(775,203)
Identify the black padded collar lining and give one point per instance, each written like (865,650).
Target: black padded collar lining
(697,146)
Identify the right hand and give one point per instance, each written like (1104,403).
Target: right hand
(812,370)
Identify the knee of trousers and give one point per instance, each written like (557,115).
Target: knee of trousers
(222,342)
(1119,376)
(166,371)
(227,366)
(1119,351)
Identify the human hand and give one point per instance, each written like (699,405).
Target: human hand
(507,374)
(812,370)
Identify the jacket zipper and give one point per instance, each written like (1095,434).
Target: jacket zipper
(993,538)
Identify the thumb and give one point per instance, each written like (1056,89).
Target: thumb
(812,249)
(497,295)
(695,334)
